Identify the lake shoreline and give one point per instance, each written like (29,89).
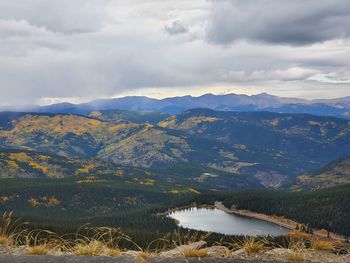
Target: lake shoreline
(289,224)
(193,205)
(211,219)
(278,220)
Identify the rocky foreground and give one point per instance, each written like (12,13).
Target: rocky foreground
(194,252)
(72,259)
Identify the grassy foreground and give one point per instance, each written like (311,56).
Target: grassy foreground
(112,242)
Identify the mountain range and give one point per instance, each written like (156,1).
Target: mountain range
(119,167)
(224,149)
(230,102)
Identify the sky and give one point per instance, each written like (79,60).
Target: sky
(79,50)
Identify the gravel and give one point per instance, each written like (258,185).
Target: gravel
(75,259)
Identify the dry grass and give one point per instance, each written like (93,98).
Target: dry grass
(142,257)
(323,245)
(297,245)
(36,245)
(252,246)
(96,241)
(112,252)
(226,253)
(7,241)
(296,256)
(99,241)
(194,253)
(92,248)
(297,251)
(10,229)
(37,250)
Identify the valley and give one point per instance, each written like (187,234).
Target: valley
(269,149)
(122,169)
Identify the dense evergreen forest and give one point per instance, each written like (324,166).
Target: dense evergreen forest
(63,206)
(327,208)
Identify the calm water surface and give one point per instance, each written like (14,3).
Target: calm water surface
(214,220)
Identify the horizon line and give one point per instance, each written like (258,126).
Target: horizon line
(170,97)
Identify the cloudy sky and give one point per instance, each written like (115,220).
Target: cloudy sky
(78,50)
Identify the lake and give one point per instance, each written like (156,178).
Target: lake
(215,220)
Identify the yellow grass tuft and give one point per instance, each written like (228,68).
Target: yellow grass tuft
(251,246)
(112,252)
(194,253)
(37,250)
(98,241)
(93,248)
(7,241)
(322,245)
(297,251)
(295,256)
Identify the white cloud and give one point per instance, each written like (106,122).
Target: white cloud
(79,50)
(289,74)
(332,78)
(66,16)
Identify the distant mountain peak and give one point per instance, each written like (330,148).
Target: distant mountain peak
(224,102)
(264,94)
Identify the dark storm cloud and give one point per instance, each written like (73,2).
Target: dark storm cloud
(296,22)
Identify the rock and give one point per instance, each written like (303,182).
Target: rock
(278,251)
(177,252)
(238,252)
(131,253)
(12,250)
(218,251)
(59,253)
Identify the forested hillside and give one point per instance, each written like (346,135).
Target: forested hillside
(121,168)
(328,208)
(31,165)
(334,174)
(64,205)
(116,116)
(270,148)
